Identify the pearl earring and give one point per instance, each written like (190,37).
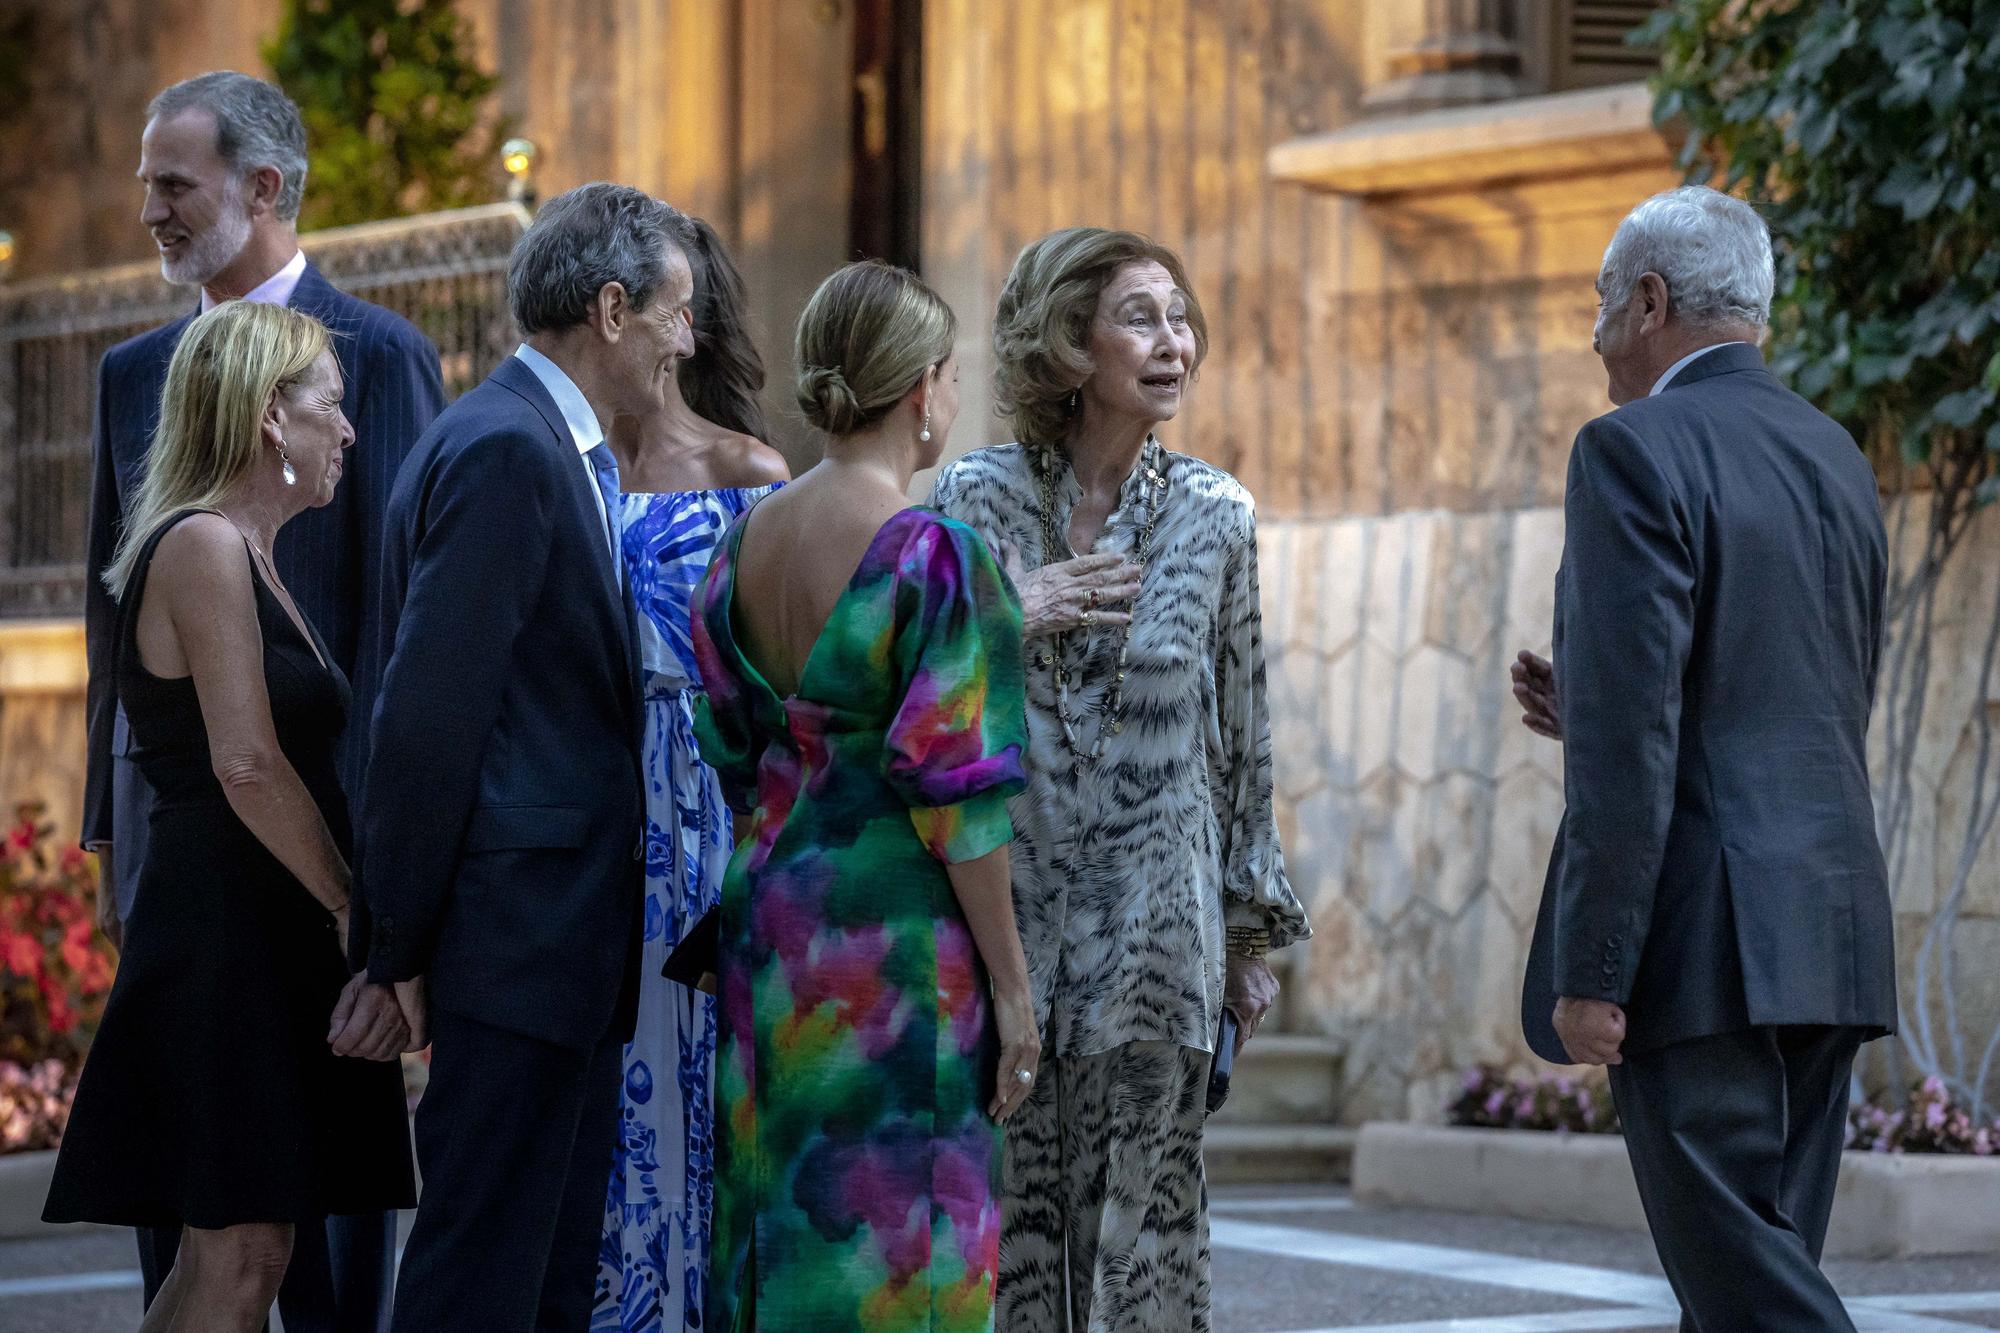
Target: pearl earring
(925,433)
(291,474)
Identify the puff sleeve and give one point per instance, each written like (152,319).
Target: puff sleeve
(953,749)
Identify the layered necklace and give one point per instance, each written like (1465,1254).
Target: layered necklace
(1153,495)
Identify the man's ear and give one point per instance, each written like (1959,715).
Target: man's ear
(609,310)
(1655,302)
(265,184)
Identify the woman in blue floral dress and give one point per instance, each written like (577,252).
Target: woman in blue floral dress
(686,474)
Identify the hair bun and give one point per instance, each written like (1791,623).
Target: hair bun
(828,401)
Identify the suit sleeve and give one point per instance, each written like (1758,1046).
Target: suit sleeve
(1627,606)
(397,395)
(476,569)
(100,614)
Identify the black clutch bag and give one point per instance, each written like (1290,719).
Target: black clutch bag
(699,952)
(1225,1059)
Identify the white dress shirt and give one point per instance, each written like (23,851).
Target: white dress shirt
(578,415)
(1677,367)
(274,290)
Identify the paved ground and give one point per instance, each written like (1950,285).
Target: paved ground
(1285,1262)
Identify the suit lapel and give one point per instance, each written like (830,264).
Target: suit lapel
(513,375)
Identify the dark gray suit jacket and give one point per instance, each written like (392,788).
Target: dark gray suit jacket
(1718,626)
(328,557)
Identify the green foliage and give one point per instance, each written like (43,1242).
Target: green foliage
(1868,132)
(393,104)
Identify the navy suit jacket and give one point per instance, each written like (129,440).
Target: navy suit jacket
(328,557)
(1719,617)
(501,831)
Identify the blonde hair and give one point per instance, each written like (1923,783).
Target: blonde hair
(867,336)
(228,365)
(1041,331)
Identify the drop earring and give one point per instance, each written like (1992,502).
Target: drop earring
(291,474)
(925,433)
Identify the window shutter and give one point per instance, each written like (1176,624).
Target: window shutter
(1590,42)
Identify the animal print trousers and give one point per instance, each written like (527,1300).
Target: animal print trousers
(1102,1175)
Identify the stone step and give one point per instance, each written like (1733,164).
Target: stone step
(1283,1079)
(1278,1154)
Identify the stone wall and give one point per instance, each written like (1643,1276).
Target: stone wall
(1417,812)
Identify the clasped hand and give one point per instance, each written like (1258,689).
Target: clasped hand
(376,1022)
(1073,594)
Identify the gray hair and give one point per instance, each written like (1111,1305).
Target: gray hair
(256,126)
(1712,251)
(595,234)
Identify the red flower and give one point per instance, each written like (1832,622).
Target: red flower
(62,1018)
(76,945)
(21,953)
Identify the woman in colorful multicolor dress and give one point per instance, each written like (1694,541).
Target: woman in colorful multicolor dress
(1147,874)
(686,474)
(863,666)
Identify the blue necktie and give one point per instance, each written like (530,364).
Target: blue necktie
(604,468)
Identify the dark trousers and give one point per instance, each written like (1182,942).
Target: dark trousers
(339,1280)
(1736,1141)
(514,1144)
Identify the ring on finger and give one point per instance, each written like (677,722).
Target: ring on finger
(1091,594)
(1089,618)
(1024,1076)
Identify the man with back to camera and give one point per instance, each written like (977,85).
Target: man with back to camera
(1716,924)
(223,163)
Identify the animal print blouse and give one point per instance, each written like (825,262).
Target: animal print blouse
(1127,869)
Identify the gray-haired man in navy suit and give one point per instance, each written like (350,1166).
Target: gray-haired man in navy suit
(1716,923)
(223,163)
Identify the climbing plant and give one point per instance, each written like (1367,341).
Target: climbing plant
(1867,133)
(395,106)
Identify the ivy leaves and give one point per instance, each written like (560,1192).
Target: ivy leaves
(1866,132)
(394,104)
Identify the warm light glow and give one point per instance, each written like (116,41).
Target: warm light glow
(6,246)
(517,155)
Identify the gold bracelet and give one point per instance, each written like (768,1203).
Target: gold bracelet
(1252,942)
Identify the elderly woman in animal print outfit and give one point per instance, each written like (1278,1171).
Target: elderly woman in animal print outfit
(1148,882)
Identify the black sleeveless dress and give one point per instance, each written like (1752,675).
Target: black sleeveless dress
(210,1096)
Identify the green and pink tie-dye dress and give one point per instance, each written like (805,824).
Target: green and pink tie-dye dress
(856,1168)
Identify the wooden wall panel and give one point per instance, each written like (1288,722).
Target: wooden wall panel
(1153,115)
(1368,357)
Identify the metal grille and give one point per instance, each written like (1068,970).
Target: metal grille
(1591,45)
(444,272)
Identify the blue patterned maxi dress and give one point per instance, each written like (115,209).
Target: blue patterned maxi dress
(652,1267)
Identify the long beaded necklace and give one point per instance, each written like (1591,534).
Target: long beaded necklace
(1155,491)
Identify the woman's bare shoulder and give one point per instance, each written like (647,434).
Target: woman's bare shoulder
(748,461)
(202,545)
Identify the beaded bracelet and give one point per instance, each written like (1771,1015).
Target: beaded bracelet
(1252,942)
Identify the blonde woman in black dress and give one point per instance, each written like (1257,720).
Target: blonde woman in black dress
(241,1081)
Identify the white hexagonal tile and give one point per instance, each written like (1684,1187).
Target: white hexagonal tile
(1337,594)
(1436,721)
(1357,711)
(1398,564)
(1382,871)
(1454,840)
(1527,807)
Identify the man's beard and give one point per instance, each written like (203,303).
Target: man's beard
(213,250)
